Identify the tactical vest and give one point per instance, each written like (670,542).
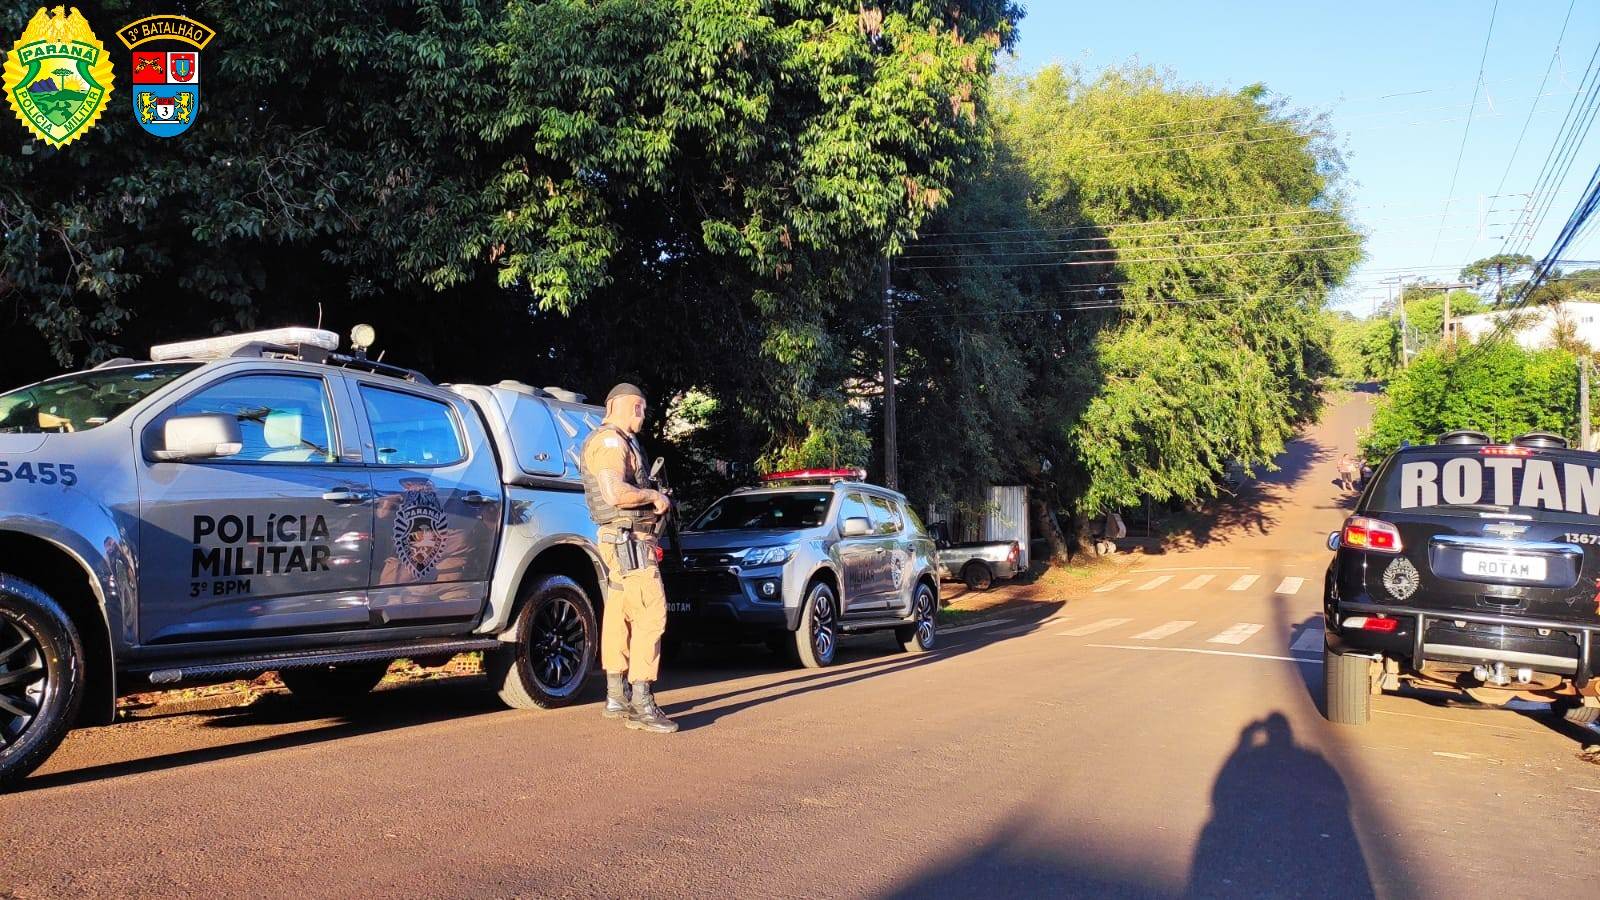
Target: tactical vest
(635,473)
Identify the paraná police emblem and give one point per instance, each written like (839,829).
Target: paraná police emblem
(58,76)
(166,71)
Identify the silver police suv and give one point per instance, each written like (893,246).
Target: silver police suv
(801,560)
(265,502)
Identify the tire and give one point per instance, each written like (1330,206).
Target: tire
(557,639)
(41,677)
(978,576)
(923,633)
(1347,687)
(816,641)
(1579,714)
(324,684)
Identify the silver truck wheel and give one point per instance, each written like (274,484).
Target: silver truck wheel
(817,639)
(41,677)
(557,637)
(978,576)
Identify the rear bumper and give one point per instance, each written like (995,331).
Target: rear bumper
(713,603)
(1467,638)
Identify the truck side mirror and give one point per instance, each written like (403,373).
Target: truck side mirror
(855,526)
(205,436)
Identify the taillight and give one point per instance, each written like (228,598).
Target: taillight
(1497,450)
(1362,533)
(1015,554)
(1372,623)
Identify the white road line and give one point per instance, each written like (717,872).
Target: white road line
(1237,634)
(1167,630)
(1154,583)
(1290,586)
(1020,629)
(1310,639)
(1092,627)
(1199,569)
(1196,583)
(1299,659)
(975,625)
(1110,586)
(1243,582)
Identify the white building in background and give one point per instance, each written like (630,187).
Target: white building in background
(1536,328)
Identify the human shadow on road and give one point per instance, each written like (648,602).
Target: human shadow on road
(1280,824)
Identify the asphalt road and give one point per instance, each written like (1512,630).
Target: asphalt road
(1154,733)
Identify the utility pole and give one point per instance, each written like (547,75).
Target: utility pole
(1405,338)
(1584,440)
(1446,336)
(891,472)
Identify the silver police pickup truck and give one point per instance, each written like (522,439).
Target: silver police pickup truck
(809,556)
(265,502)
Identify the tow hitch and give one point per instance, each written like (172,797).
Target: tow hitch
(1499,675)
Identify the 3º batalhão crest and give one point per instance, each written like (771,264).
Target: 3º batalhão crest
(58,76)
(166,71)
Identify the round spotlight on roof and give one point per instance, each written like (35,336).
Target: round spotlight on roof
(361,337)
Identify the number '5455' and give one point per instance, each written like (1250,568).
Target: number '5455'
(64,474)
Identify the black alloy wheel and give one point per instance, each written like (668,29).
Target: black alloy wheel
(558,645)
(41,677)
(923,632)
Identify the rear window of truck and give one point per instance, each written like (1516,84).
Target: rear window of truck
(1474,479)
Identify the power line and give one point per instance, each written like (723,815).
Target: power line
(1467,129)
(1539,94)
(1110,262)
(1133,223)
(1544,185)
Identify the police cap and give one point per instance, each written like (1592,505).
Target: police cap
(624,390)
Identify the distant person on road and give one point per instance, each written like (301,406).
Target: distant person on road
(1348,472)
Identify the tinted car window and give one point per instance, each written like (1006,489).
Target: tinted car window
(410,430)
(82,401)
(885,515)
(283,418)
(853,507)
(915,520)
(766,511)
(1467,480)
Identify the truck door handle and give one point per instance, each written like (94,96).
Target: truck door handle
(345,495)
(882,550)
(478,499)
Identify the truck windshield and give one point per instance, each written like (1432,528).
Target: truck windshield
(83,400)
(785,511)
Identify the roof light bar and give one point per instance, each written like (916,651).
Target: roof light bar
(226,345)
(826,476)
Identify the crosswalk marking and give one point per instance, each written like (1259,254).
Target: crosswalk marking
(1309,639)
(1092,627)
(1289,586)
(1159,632)
(1154,583)
(1196,582)
(975,625)
(1110,586)
(1243,582)
(1236,634)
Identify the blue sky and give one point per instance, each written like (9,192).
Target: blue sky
(1397,79)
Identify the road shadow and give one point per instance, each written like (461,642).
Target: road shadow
(384,710)
(1280,824)
(861,658)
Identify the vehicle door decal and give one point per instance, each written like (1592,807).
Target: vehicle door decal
(420,527)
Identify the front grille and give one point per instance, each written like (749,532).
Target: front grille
(708,560)
(707,584)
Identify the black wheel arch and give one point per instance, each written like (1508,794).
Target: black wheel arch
(69,582)
(572,560)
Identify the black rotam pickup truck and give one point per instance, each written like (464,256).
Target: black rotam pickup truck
(1469,566)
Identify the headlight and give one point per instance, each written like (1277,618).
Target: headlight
(767,556)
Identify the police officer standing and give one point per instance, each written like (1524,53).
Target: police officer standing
(616,484)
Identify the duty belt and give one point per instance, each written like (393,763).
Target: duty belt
(633,550)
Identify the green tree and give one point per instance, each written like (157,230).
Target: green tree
(1500,389)
(1499,269)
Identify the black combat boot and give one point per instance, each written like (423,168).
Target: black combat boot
(645,715)
(616,696)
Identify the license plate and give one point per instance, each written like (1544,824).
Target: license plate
(678,607)
(1497,565)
